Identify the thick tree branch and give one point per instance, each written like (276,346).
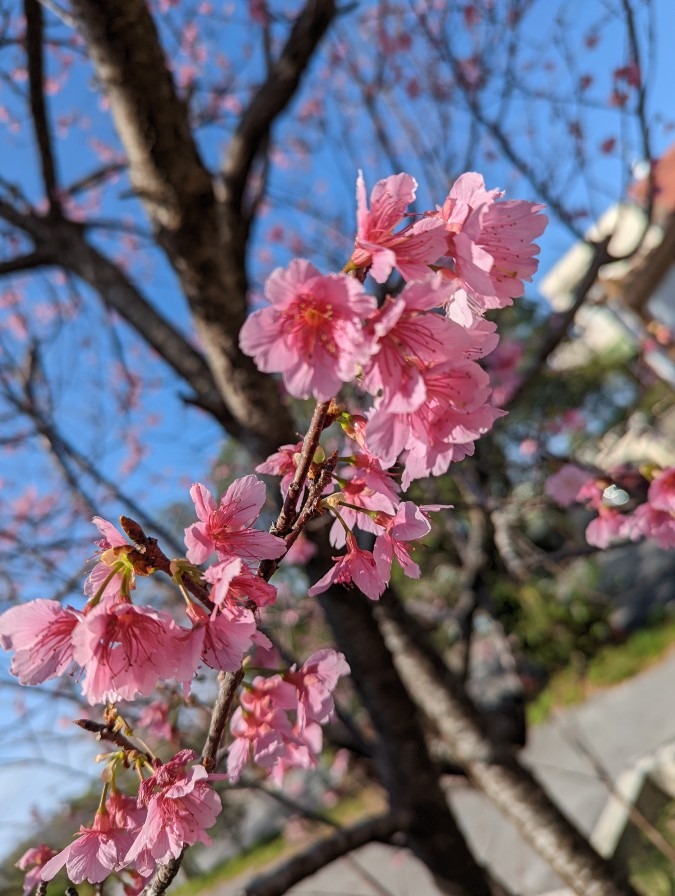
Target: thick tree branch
(403,762)
(281,878)
(170,178)
(64,244)
(501,778)
(28,262)
(274,96)
(38,105)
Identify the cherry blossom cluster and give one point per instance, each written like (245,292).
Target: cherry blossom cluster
(420,401)
(631,505)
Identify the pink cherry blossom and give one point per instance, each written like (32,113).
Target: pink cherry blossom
(301,752)
(282,463)
(234,582)
(455,413)
(225,528)
(181,805)
(380,250)
(489,241)
(155,719)
(41,633)
(408,524)
(357,493)
(609,526)
(659,525)
(409,336)
(315,682)
(97,852)
(224,637)
(356,566)
(300,552)
(125,650)
(661,494)
(564,486)
(311,332)
(101,578)
(260,724)
(36,856)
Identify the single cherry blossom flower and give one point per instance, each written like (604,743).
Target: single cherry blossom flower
(356,566)
(489,241)
(234,582)
(181,804)
(661,493)
(103,580)
(609,526)
(41,633)
(357,493)
(300,552)
(125,650)
(311,332)
(410,336)
(97,852)
(154,719)
(408,523)
(225,527)
(315,682)
(302,751)
(564,486)
(260,724)
(380,250)
(282,463)
(36,856)
(226,636)
(659,525)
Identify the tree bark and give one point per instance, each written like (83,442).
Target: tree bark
(402,759)
(504,781)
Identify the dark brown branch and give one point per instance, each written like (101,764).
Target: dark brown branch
(170,178)
(95,178)
(163,877)
(274,95)
(555,334)
(310,443)
(38,104)
(281,878)
(23,263)
(64,244)
(641,109)
(503,780)
(150,555)
(105,732)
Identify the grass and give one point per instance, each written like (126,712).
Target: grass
(611,665)
(268,851)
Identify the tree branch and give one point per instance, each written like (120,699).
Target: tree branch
(501,778)
(281,878)
(274,96)
(38,105)
(64,244)
(170,178)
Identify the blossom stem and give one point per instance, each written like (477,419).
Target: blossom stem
(310,443)
(222,709)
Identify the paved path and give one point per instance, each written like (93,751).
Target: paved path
(620,726)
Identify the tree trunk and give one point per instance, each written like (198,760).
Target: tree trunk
(402,759)
(505,782)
